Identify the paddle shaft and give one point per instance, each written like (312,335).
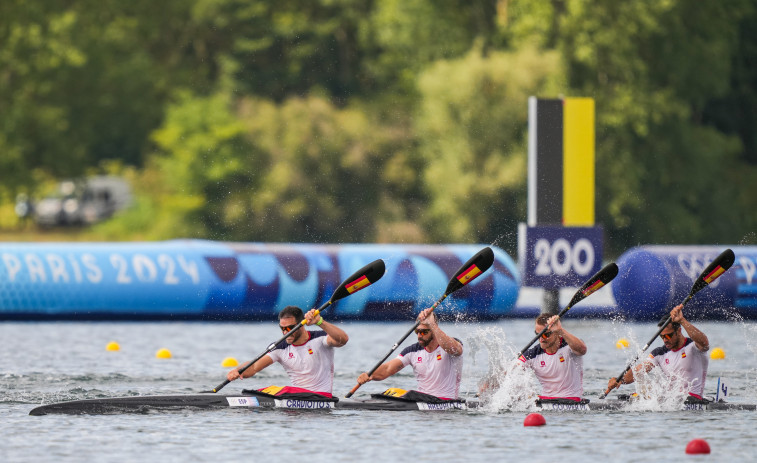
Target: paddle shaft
(394,347)
(363,278)
(643,349)
(716,268)
(471,269)
(544,330)
(599,279)
(272,346)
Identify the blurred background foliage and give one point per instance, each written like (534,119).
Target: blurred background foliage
(364,121)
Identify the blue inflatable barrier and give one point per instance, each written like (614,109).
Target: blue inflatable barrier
(240,281)
(654,279)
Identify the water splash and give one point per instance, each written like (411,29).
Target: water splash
(748,239)
(750,335)
(507,385)
(655,391)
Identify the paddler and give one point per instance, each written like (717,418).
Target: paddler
(681,358)
(307,356)
(557,361)
(436,359)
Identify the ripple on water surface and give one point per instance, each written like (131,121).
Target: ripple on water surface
(68,361)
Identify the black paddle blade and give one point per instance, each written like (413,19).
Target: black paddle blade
(364,277)
(470,270)
(600,279)
(716,268)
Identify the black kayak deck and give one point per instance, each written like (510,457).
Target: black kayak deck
(148,403)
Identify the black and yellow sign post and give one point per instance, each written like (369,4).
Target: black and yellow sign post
(559,246)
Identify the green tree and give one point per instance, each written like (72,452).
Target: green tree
(302,170)
(209,168)
(652,68)
(330,178)
(86,81)
(472,129)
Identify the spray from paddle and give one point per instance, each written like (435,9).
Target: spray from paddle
(507,386)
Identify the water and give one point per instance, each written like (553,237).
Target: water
(52,362)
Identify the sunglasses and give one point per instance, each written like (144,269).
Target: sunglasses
(286,329)
(668,336)
(423,332)
(545,335)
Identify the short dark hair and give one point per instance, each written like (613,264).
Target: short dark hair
(544,318)
(673,324)
(292,311)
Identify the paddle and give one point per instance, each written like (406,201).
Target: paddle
(470,270)
(600,279)
(716,268)
(364,277)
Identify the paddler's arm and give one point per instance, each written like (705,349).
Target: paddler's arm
(628,377)
(699,338)
(488,384)
(450,345)
(384,371)
(575,343)
(264,362)
(336,337)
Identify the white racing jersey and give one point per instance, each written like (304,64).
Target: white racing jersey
(688,364)
(561,374)
(309,365)
(437,372)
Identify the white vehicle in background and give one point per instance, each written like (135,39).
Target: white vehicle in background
(82,203)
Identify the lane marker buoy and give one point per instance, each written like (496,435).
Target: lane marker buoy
(717,354)
(112,346)
(229,362)
(698,446)
(534,419)
(163,353)
(622,343)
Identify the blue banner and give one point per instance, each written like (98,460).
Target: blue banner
(654,279)
(239,281)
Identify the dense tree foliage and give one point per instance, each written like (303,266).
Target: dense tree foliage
(391,121)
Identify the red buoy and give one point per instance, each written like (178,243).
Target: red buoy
(534,419)
(698,446)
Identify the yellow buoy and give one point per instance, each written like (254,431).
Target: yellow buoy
(622,343)
(229,362)
(717,354)
(163,354)
(113,345)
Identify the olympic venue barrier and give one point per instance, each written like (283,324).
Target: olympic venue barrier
(654,279)
(207,280)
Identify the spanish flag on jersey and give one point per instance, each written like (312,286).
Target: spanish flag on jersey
(310,351)
(438,356)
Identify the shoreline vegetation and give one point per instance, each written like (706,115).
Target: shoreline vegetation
(377,122)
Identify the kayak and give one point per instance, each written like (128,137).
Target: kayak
(256,400)
(616,404)
(248,399)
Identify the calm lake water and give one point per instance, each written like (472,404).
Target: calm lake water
(52,362)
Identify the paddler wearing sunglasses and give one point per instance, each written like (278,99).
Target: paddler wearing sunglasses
(682,358)
(307,356)
(436,360)
(557,361)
